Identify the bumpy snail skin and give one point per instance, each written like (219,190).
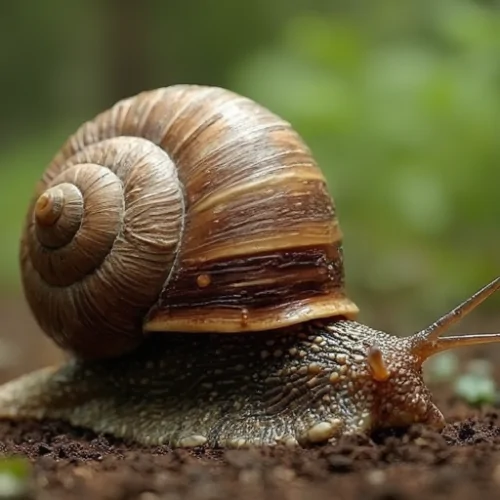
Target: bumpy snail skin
(304,385)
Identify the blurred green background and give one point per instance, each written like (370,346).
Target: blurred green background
(398,99)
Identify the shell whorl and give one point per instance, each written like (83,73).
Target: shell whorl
(185,208)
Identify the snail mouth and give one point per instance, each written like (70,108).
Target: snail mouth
(405,410)
(434,418)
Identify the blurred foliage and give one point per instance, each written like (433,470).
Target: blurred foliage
(399,101)
(476,384)
(473,382)
(15,478)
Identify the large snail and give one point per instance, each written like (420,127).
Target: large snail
(183,248)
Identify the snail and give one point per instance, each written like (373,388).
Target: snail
(184,251)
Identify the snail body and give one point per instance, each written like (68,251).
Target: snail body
(184,249)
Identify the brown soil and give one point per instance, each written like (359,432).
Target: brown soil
(462,462)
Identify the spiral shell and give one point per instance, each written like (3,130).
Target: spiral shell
(185,208)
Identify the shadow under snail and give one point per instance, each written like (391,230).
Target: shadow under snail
(183,248)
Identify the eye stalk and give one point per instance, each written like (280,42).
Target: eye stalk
(428,342)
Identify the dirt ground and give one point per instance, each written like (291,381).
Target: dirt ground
(462,462)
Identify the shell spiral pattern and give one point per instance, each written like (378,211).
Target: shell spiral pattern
(185,208)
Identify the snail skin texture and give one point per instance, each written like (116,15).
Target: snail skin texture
(183,249)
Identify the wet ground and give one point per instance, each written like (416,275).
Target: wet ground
(462,462)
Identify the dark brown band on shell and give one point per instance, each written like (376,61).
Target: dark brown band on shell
(258,292)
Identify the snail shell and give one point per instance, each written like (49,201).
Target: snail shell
(187,209)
